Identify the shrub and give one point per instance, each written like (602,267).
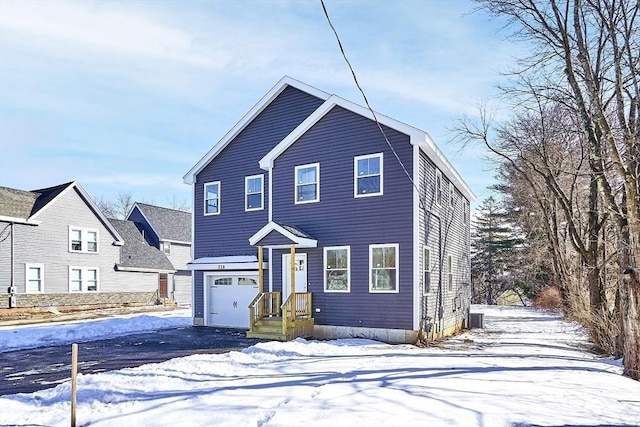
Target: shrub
(548,298)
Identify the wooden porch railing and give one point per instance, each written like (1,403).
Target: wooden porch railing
(297,305)
(264,305)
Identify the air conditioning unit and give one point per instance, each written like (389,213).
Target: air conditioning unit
(476,320)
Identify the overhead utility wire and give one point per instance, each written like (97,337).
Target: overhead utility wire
(375,118)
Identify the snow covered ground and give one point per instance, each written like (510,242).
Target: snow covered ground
(526,368)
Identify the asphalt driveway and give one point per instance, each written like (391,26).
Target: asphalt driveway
(26,371)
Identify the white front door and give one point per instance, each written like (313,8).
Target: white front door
(301,274)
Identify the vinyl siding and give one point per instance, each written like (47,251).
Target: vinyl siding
(48,244)
(339,219)
(228,233)
(455,242)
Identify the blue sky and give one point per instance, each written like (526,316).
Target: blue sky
(127,96)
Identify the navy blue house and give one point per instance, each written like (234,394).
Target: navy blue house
(377,224)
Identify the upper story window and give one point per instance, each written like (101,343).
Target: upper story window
(34,278)
(166,247)
(337,269)
(82,279)
(465,212)
(438,187)
(367,180)
(212,198)
(452,195)
(83,240)
(307,183)
(253,193)
(426,267)
(383,268)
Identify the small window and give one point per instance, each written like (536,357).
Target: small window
(452,195)
(438,187)
(426,266)
(383,268)
(307,183)
(83,240)
(367,175)
(254,193)
(212,198)
(450,272)
(465,212)
(166,247)
(34,275)
(225,281)
(83,279)
(247,281)
(337,276)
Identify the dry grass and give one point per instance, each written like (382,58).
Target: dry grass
(549,298)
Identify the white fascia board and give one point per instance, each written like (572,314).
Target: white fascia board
(432,151)
(302,242)
(221,267)
(266,162)
(190,177)
(143,269)
(180,242)
(15,220)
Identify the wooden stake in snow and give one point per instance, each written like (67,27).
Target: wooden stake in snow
(74,379)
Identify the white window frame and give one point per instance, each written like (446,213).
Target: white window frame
(438,185)
(27,267)
(247,194)
(84,241)
(166,248)
(328,268)
(449,272)
(356,176)
(465,213)
(295,183)
(426,269)
(84,279)
(396,247)
(452,195)
(204,197)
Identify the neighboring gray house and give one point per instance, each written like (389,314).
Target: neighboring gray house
(169,230)
(58,249)
(306,213)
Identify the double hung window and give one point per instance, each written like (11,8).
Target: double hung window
(383,268)
(212,198)
(83,240)
(83,279)
(438,187)
(337,269)
(34,275)
(367,180)
(426,267)
(253,193)
(450,272)
(307,183)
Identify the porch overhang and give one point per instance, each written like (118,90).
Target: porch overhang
(290,235)
(226,263)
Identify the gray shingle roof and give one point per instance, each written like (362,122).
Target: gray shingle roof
(170,224)
(136,252)
(16,203)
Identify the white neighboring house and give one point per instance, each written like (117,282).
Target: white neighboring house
(57,249)
(169,230)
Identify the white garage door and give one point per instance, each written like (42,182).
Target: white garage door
(228,298)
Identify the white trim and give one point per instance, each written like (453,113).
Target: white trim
(190,177)
(417,303)
(27,266)
(83,279)
(246,192)
(270,208)
(396,246)
(84,242)
(143,269)
(301,242)
(179,242)
(295,183)
(15,220)
(324,269)
(204,198)
(356,177)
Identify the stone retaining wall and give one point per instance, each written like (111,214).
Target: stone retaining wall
(84,299)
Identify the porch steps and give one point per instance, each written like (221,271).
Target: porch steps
(270,328)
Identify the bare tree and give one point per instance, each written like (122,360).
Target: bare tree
(586,56)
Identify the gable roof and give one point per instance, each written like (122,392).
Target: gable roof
(136,254)
(417,137)
(25,206)
(276,90)
(291,234)
(168,224)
